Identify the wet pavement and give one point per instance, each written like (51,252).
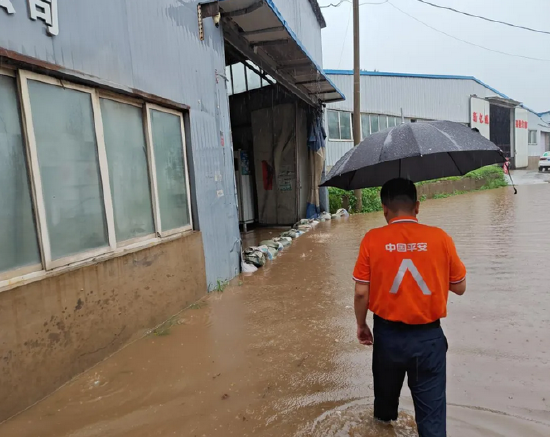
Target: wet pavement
(530,177)
(275,353)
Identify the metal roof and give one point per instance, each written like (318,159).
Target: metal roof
(318,13)
(265,36)
(433,76)
(423,76)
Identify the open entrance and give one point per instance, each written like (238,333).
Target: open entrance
(269,131)
(509,129)
(501,133)
(276,95)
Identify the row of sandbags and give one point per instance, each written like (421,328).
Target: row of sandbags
(256,256)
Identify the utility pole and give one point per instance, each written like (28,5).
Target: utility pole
(357,90)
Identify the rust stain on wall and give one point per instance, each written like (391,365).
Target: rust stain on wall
(58,327)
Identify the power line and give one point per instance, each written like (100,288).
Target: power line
(335,5)
(345,36)
(483,18)
(464,41)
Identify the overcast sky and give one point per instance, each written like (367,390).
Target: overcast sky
(394,42)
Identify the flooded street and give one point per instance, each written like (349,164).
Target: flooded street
(275,353)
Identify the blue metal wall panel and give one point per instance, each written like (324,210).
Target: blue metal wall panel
(302,20)
(153,46)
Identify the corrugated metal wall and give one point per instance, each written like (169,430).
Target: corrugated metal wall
(444,99)
(335,150)
(302,20)
(153,46)
(423,98)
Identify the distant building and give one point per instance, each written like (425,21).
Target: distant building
(387,97)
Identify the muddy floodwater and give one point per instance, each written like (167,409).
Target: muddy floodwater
(275,353)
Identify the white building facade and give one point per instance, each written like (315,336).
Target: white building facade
(388,99)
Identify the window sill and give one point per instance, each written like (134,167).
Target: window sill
(29,278)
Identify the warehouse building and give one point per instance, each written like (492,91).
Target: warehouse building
(119,204)
(387,99)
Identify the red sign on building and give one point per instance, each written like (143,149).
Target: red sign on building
(480,118)
(521,124)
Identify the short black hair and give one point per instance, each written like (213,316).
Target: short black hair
(399,194)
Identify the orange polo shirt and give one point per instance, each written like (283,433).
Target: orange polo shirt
(409,267)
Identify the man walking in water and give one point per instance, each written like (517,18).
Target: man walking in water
(403,274)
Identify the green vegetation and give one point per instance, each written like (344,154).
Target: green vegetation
(371,199)
(494,176)
(221,286)
(197,305)
(164,329)
(445,195)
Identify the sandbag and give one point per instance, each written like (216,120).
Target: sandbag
(273,244)
(340,213)
(325,216)
(255,257)
(283,241)
(248,268)
(293,233)
(269,254)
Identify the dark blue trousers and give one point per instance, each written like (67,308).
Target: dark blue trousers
(420,352)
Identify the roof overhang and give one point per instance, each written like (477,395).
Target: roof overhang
(257,29)
(501,101)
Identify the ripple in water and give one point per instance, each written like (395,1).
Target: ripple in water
(356,420)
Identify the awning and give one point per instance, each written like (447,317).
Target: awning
(503,101)
(258,30)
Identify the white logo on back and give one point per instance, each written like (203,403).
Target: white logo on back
(407,264)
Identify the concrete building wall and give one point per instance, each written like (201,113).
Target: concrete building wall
(151,48)
(541,143)
(536,149)
(56,328)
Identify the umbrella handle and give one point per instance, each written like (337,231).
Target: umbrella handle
(507,164)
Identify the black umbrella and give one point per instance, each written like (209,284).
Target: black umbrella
(416,151)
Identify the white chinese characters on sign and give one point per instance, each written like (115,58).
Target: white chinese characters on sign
(6,4)
(410,247)
(45,10)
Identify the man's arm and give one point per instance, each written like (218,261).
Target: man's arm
(361,276)
(457,271)
(361,304)
(459,288)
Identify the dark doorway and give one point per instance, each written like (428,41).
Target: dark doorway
(500,128)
